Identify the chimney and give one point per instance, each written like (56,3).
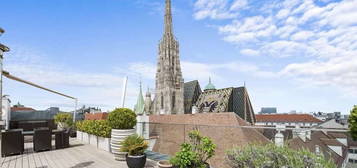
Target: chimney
(279,139)
(317,150)
(302,135)
(308,134)
(194,109)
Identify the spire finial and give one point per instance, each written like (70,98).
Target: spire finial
(209,80)
(168,17)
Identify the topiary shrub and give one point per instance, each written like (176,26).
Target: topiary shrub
(135,145)
(63,120)
(122,118)
(272,156)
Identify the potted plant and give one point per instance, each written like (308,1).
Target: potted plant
(164,164)
(135,147)
(122,122)
(196,153)
(63,120)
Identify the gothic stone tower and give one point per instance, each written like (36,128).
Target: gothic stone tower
(169,81)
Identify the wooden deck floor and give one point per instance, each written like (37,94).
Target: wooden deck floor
(77,156)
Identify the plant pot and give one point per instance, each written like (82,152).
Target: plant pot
(79,135)
(136,161)
(85,137)
(164,164)
(104,143)
(93,140)
(118,136)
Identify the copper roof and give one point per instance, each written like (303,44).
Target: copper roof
(287,118)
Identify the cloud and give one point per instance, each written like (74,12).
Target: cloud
(317,41)
(249,52)
(218,9)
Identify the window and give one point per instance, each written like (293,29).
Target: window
(352,161)
(162,101)
(352,150)
(173,100)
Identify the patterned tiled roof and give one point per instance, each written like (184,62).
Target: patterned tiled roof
(189,89)
(192,91)
(287,118)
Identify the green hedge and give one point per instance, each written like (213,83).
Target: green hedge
(99,128)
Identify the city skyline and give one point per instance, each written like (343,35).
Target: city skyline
(84,49)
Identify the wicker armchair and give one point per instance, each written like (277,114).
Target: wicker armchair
(66,136)
(12,142)
(42,139)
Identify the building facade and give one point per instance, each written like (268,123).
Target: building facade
(268,110)
(169,82)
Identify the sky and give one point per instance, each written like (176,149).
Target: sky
(294,55)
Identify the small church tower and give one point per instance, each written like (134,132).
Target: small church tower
(139,107)
(169,81)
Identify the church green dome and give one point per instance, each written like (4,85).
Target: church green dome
(210,86)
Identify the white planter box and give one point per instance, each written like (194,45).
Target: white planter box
(104,144)
(79,135)
(85,138)
(93,140)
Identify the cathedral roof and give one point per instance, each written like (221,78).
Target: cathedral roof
(210,86)
(189,89)
(140,104)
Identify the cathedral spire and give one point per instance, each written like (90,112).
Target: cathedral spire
(168,17)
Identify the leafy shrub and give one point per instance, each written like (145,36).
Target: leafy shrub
(122,118)
(135,145)
(352,120)
(272,156)
(196,153)
(64,119)
(99,128)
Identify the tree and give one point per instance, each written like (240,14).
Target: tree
(352,120)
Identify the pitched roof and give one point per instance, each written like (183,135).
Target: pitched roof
(331,142)
(322,140)
(14,109)
(221,127)
(189,89)
(287,118)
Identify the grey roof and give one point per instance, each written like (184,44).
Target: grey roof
(189,89)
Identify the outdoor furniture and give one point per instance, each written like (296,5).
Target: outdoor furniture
(59,140)
(31,125)
(42,139)
(66,136)
(12,142)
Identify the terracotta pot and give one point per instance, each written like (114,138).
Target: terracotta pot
(164,164)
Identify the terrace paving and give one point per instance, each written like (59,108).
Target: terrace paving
(77,156)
